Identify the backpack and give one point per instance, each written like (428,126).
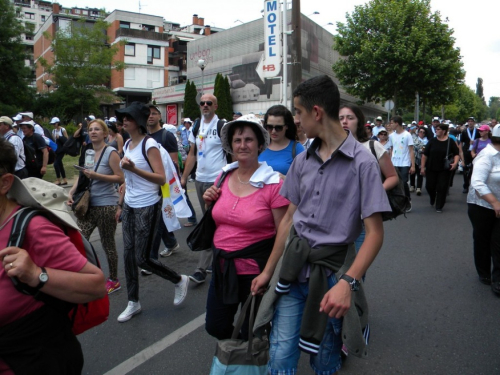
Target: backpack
(82,316)
(397,199)
(220,124)
(30,158)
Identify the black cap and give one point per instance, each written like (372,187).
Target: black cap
(138,111)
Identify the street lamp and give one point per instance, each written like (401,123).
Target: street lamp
(49,83)
(202,65)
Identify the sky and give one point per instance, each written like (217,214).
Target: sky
(475,24)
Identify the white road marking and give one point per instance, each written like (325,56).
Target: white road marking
(148,353)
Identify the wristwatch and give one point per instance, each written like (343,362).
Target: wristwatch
(43,278)
(352,282)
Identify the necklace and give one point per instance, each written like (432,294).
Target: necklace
(242,182)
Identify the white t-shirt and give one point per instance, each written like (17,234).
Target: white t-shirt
(379,149)
(400,144)
(209,153)
(17,142)
(139,191)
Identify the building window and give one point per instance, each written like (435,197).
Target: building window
(153,53)
(124,25)
(85,12)
(30,16)
(130,49)
(42,18)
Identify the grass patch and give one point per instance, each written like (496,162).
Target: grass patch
(68,162)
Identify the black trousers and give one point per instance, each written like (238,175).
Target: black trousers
(486,237)
(436,184)
(467,170)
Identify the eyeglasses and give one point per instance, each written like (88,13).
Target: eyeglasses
(208,102)
(277,128)
(382,133)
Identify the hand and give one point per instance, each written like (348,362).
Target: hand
(80,125)
(496,207)
(211,194)
(17,263)
(183,182)
(127,164)
(337,300)
(462,163)
(453,166)
(260,283)
(422,171)
(43,170)
(70,201)
(89,173)
(118,214)
(121,188)
(282,176)
(412,169)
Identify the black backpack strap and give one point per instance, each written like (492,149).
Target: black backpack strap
(372,148)
(220,124)
(196,127)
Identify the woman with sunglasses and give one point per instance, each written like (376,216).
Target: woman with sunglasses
(433,166)
(278,121)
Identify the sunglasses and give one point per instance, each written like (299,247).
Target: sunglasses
(208,102)
(382,133)
(277,128)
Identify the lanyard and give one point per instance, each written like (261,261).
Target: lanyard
(473,136)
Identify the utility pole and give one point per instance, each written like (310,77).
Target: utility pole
(296,49)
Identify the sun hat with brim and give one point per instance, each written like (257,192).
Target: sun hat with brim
(484,128)
(27,114)
(6,120)
(18,117)
(246,119)
(496,131)
(138,111)
(37,193)
(29,123)
(55,120)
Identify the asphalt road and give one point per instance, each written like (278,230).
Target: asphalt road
(428,312)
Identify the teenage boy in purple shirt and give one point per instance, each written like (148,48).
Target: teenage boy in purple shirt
(331,188)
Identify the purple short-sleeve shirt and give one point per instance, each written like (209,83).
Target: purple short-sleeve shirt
(333,197)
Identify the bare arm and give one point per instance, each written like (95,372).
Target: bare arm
(77,287)
(422,164)
(189,164)
(45,152)
(412,158)
(388,171)
(259,284)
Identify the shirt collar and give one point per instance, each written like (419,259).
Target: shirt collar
(346,148)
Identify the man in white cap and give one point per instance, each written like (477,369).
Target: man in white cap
(6,131)
(378,126)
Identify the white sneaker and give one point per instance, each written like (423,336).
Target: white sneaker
(132,309)
(146,272)
(181,289)
(167,252)
(412,189)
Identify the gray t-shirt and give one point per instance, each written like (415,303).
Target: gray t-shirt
(104,193)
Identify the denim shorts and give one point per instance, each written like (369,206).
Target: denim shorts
(284,352)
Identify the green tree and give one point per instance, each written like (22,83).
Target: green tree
(229,99)
(466,104)
(217,87)
(191,108)
(494,106)
(15,93)
(83,63)
(395,48)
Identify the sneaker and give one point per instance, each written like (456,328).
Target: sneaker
(209,269)
(412,189)
(198,277)
(146,272)
(181,290)
(419,192)
(495,287)
(190,180)
(465,191)
(169,251)
(439,210)
(132,309)
(409,207)
(485,280)
(112,286)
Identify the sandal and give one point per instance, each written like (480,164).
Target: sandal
(58,184)
(189,224)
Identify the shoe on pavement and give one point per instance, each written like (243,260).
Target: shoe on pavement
(412,189)
(181,290)
(146,272)
(409,207)
(209,269)
(112,286)
(439,210)
(495,287)
(169,251)
(198,277)
(465,191)
(485,280)
(132,309)
(190,180)
(419,192)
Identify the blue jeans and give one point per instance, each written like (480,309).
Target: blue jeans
(284,352)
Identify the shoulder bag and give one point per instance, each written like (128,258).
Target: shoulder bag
(239,357)
(81,198)
(447,162)
(397,199)
(202,236)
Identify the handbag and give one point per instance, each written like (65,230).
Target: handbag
(81,199)
(239,357)
(447,162)
(397,198)
(202,236)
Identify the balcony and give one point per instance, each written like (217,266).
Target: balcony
(141,34)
